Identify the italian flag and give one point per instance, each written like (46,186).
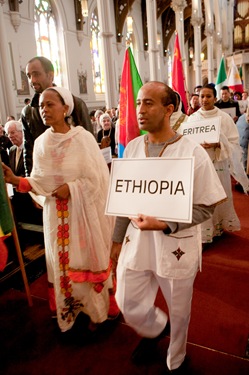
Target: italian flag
(221,78)
(129,87)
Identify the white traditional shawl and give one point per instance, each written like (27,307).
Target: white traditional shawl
(74,158)
(229,141)
(176,117)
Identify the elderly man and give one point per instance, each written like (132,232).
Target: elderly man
(155,253)
(22,204)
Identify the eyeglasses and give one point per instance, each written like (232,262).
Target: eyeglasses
(13,132)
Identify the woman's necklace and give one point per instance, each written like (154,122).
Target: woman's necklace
(175,138)
(103,133)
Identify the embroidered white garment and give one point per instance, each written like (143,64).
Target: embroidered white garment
(74,158)
(178,255)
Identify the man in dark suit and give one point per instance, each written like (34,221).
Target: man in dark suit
(40,73)
(227,102)
(22,204)
(5,145)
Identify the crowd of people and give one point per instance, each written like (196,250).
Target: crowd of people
(54,152)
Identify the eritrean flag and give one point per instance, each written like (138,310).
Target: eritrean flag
(129,87)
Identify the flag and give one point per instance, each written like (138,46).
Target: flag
(234,80)
(178,80)
(129,87)
(6,219)
(3,253)
(221,78)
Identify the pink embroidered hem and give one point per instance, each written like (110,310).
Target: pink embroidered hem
(89,276)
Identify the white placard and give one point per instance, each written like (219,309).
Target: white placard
(10,190)
(157,187)
(230,111)
(243,106)
(107,153)
(202,131)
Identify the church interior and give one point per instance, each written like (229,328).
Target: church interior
(86,41)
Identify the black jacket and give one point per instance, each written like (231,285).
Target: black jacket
(230,104)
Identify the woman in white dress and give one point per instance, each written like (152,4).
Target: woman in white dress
(226,157)
(71,173)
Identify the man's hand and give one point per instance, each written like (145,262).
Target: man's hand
(115,252)
(148,223)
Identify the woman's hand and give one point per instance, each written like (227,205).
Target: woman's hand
(148,223)
(62,192)
(210,145)
(9,176)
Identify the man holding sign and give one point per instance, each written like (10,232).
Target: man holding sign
(156,253)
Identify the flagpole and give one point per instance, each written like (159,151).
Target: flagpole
(22,268)
(19,254)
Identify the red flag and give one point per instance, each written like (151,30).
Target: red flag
(178,80)
(129,87)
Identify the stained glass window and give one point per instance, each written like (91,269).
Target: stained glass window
(46,36)
(97,55)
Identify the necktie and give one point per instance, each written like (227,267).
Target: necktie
(18,153)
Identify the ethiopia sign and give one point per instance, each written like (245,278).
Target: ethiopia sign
(157,187)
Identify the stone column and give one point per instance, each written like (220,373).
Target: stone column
(7,102)
(209,32)
(210,52)
(104,12)
(218,33)
(196,21)
(219,51)
(155,73)
(178,6)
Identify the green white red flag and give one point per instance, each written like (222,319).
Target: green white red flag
(221,77)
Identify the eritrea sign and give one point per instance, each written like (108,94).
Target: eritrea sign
(202,131)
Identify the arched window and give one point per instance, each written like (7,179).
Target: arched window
(96,50)
(237,35)
(46,36)
(241,24)
(247,34)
